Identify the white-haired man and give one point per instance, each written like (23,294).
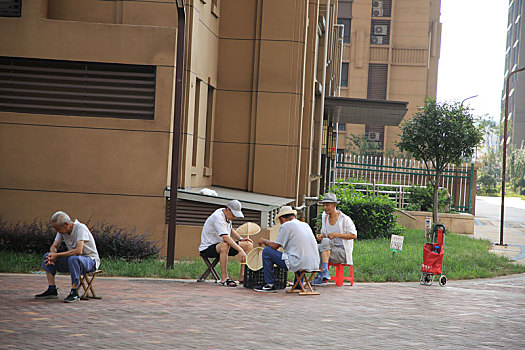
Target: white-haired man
(300,249)
(81,255)
(217,241)
(336,240)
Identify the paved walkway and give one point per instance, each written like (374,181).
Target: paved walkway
(168,314)
(487,225)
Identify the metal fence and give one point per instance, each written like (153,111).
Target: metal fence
(400,174)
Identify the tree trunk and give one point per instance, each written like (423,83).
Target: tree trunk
(435,218)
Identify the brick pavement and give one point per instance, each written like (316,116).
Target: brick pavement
(168,314)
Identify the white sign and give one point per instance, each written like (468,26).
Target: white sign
(396,243)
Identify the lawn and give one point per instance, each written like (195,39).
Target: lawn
(465,258)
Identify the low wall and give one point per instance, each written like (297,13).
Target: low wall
(456,223)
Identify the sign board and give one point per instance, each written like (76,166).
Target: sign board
(396,243)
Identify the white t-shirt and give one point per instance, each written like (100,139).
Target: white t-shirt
(215,226)
(343,225)
(300,247)
(80,233)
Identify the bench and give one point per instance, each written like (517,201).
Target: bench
(86,282)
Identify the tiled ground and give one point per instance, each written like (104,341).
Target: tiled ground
(167,314)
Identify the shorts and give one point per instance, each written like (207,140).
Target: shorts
(337,253)
(211,251)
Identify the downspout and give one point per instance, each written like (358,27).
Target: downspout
(176,130)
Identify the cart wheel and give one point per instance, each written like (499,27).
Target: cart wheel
(421,279)
(442,280)
(428,280)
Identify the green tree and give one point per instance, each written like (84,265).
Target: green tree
(440,134)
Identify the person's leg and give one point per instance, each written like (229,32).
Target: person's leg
(50,270)
(247,247)
(60,265)
(270,257)
(325,247)
(78,265)
(223,249)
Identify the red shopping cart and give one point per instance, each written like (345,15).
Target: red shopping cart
(433,254)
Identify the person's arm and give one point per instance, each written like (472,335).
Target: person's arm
(53,255)
(342,235)
(238,237)
(268,243)
(235,246)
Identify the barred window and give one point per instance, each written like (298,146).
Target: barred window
(10,8)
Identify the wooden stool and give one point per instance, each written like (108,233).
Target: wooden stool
(86,281)
(339,274)
(305,289)
(210,269)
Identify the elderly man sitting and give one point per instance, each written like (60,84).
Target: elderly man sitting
(300,249)
(336,240)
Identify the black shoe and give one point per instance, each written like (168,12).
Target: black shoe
(266,288)
(48,294)
(71,298)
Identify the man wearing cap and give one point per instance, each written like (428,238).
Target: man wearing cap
(336,240)
(300,249)
(216,240)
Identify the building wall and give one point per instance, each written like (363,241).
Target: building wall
(103,169)
(411,57)
(252,119)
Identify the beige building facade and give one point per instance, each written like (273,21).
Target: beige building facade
(87,109)
(391,52)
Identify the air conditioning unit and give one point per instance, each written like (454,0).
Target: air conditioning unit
(378,4)
(377,12)
(373,136)
(381,29)
(376,40)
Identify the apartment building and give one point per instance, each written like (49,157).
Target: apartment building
(515,59)
(391,52)
(87,109)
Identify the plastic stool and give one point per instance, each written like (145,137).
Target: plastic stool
(339,274)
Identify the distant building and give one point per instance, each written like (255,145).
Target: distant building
(391,52)
(514,59)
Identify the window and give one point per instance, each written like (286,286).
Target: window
(10,8)
(341,127)
(380,32)
(196,122)
(209,127)
(344,74)
(377,81)
(77,88)
(346,23)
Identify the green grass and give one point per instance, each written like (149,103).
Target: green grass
(465,258)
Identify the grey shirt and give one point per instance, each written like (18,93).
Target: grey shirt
(300,247)
(80,233)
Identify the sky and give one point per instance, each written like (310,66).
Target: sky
(472,59)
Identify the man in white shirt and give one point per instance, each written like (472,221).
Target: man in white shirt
(336,240)
(300,249)
(216,240)
(81,255)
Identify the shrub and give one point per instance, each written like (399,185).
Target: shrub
(111,241)
(373,216)
(422,199)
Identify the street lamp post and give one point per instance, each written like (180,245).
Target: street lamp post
(502,218)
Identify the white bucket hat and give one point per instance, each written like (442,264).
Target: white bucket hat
(329,198)
(285,211)
(235,207)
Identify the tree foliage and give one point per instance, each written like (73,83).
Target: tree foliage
(440,134)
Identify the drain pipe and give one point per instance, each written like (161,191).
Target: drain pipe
(176,130)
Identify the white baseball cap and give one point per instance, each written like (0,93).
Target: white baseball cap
(235,207)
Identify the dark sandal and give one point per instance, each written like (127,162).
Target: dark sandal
(228,283)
